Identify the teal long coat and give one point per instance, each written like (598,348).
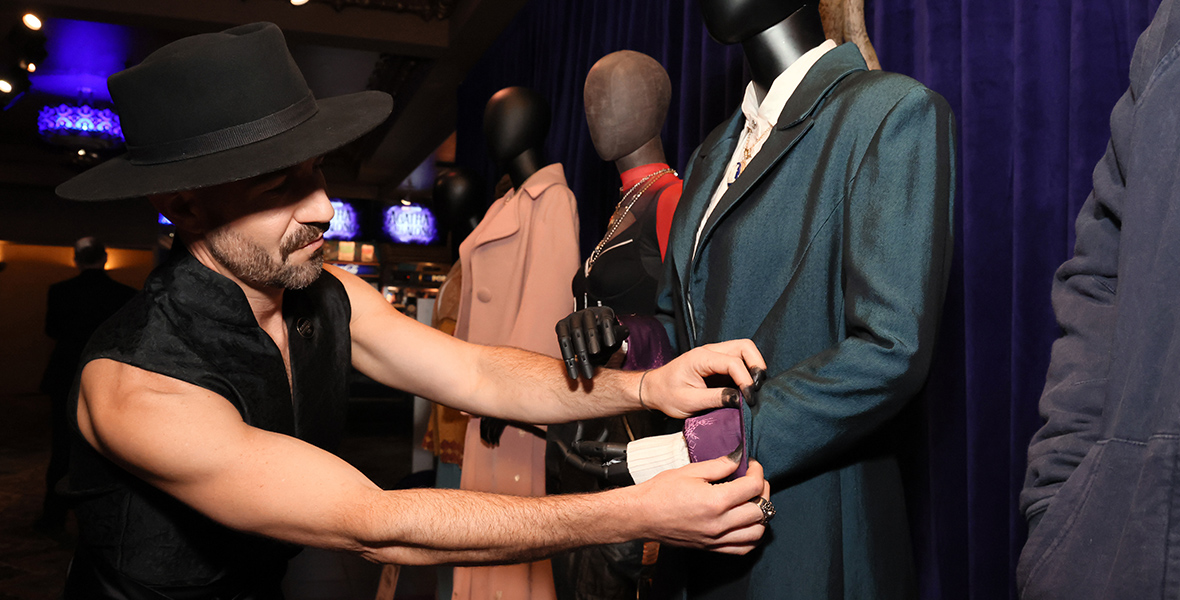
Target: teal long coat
(831,252)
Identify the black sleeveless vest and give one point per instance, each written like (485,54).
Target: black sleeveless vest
(195,325)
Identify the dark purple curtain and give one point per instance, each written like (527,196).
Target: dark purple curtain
(551,45)
(1032,84)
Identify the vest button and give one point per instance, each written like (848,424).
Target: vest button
(484,295)
(305,328)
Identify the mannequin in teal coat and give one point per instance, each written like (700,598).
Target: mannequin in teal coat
(830,248)
(831,251)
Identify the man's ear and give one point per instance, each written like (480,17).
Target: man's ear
(182,209)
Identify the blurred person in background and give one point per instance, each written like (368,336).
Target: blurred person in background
(76,307)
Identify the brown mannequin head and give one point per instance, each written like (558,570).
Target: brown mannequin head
(627,96)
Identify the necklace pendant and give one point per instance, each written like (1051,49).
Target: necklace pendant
(736,172)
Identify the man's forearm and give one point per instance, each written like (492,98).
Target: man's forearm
(532,388)
(521,386)
(462,527)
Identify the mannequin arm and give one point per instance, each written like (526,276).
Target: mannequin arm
(896,258)
(588,338)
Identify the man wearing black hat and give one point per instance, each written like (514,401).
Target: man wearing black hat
(205,404)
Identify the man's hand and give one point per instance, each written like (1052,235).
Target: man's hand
(678,388)
(683,508)
(588,338)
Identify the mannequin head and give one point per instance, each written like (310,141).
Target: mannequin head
(773,33)
(515,124)
(458,194)
(627,96)
(733,21)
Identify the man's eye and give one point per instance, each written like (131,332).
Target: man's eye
(280,187)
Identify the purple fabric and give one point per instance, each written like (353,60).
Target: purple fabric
(647,345)
(710,435)
(716,434)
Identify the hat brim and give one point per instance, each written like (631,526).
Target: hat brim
(337,121)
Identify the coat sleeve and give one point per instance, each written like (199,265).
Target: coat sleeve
(1085,293)
(896,257)
(665,311)
(552,259)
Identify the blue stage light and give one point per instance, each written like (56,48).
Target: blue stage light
(81,121)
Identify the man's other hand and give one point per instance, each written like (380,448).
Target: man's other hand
(684,508)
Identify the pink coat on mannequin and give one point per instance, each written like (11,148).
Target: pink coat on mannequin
(517,266)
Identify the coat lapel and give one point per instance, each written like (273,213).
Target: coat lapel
(508,224)
(794,122)
(496,226)
(707,170)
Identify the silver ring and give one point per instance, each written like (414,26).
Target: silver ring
(767,508)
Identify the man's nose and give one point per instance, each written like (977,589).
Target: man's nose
(316,207)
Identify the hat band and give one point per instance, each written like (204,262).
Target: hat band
(235,136)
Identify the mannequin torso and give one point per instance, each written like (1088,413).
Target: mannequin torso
(830,251)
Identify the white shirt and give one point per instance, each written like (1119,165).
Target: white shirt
(760,121)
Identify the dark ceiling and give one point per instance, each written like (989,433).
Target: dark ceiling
(417,50)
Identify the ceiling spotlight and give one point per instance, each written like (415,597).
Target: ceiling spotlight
(31,21)
(20,53)
(5,87)
(298,2)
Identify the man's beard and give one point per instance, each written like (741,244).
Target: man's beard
(253,265)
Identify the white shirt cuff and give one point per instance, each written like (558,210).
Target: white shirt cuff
(650,456)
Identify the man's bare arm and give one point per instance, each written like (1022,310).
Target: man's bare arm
(193,445)
(524,386)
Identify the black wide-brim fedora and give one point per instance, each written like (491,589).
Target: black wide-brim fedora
(220,107)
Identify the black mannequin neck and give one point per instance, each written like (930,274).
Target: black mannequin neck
(651,152)
(521,167)
(770,52)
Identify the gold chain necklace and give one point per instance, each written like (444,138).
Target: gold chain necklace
(748,150)
(621,210)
